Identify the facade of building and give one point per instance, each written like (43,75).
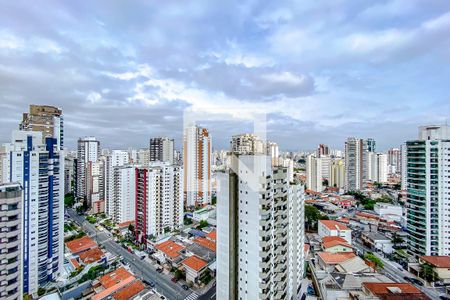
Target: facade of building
(337,173)
(247,143)
(122,208)
(88,151)
(322,149)
(273,152)
(11,241)
(95,185)
(114,160)
(355,162)
(428,191)
(161,149)
(333,228)
(377,167)
(46,119)
(159,200)
(394,161)
(314,173)
(197,166)
(260,231)
(39,169)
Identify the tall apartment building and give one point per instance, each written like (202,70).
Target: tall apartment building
(322,149)
(428,191)
(95,185)
(162,149)
(394,161)
(11,262)
(39,169)
(370,145)
(69,173)
(46,119)
(197,166)
(273,151)
(377,167)
(122,208)
(159,199)
(115,159)
(355,163)
(88,151)
(314,173)
(247,143)
(260,231)
(337,173)
(144,157)
(4,168)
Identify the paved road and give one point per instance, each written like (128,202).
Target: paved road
(143,269)
(395,272)
(209,295)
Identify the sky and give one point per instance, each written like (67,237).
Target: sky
(315,71)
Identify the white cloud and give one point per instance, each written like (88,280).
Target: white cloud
(94,97)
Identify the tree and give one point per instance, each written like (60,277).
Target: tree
(202,224)
(131,228)
(377,261)
(214,200)
(396,240)
(178,274)
(427,272)
(312,215)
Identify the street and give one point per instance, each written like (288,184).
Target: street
(395,272)
(163,284)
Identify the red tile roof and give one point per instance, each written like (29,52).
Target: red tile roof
(82,244)
(380,288)
(332,225)
(75,263)
(170,248)
(206,243)
(212,235)
(114,277)
(437,261)
(125,224)
(92,255)
(129,291)
(331,241)
(195,263)
(335,258)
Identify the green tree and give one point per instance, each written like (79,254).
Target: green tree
(377,261)
(203,224)
(427,272)
(312,215)
(396,240)
(131,228)
(178,274)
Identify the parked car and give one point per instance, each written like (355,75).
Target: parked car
(185,287)
(174,279)
(159,270)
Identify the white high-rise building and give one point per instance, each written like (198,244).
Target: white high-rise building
(144,157)
(247,143)
(355,163)
(11,262)
(95,185)
(394,161)
(116,158)
(325,161)
(377,167)
(337,173)
(159,199)
(162,149)
(39,169)
(428,191)
(88,151)
(273,151)
(314,173)
(123,204)
(260,231)
(197,166)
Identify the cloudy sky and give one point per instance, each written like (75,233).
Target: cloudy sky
(317,71)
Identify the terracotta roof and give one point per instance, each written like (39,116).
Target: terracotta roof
(335,258)
(194,263)
(125,224)
(129,291)
(206,243)
(380,288)
(306,247)
(331,241)
(170,248)
(366,215)
(437,261)
(332,225)
(92,255)
(114,288)
(114,277)
(212,235)
(344,220)
(75,263)
(82,244)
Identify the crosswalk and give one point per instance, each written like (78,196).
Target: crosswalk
(192,296)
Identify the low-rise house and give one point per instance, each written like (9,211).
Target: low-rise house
(92,256)
(194,267)
(377,242)
(440,266)
(81,245)
(354,265)
(335,244)
(328,261)
(392,291)
(333,228)
(211,245)
(119,285)
(203,214)
(169,252)
(389,211)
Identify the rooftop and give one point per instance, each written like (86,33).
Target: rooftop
(82,244)
(437,261)
(114,277)
(333,225)
(195,263)
(170,248)
(335,258)
(212,235)
(206,243)
(92,255)
(376,236)
(380,288)
(129,291)
(331,241)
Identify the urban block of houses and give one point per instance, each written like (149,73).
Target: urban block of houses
(194,267)
(333,228)
(377,242)
(169,252)
(335,244)
(81,245)
(119,285)
(441,266)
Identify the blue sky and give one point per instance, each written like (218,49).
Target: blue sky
(319,70)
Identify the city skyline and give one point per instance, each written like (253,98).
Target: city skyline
(321,72)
